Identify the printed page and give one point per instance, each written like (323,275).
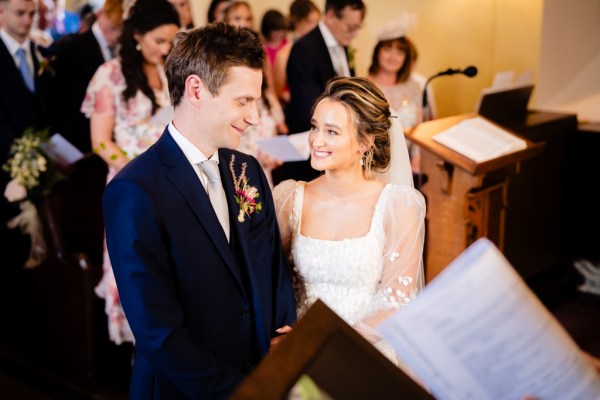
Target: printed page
(61,150)
(479,140)
(478,332)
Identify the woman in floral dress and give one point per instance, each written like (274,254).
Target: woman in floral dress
(124,102)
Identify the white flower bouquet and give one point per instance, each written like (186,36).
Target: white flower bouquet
(33,175)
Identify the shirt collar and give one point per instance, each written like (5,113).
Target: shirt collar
(97,32)
(191,152)
(327,35)
(12,45)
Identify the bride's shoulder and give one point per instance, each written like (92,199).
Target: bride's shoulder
(404,194)
(285,187)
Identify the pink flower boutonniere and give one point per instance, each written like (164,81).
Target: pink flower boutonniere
(245,195)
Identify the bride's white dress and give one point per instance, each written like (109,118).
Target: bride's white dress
(363,279)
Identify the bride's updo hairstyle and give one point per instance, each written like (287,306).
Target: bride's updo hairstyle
(370,114)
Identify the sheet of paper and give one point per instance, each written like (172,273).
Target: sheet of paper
(479,140)
(61,150)
(503,79)
(478,332)
(287,147)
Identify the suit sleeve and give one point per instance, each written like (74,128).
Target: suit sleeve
(139,256)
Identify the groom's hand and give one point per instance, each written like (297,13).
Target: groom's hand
(281,335)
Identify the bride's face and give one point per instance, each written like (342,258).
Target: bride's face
(332,138)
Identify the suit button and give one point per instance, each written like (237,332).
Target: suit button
(244,312)
(247,363)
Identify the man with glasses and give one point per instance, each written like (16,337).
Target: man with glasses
(314,59)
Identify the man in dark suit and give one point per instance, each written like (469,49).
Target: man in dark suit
(314,59)
(198,264)
(77,59)
(22,104)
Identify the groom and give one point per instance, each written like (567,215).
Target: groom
(198,262)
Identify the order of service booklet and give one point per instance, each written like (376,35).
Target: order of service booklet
(478,332)
(479,140)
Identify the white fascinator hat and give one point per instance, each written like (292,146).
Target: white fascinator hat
(398,27)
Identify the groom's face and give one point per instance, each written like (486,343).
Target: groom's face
(233,109)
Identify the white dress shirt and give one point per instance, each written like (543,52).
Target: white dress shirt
(192,153)
(336,52)
(104,48)
(12,45)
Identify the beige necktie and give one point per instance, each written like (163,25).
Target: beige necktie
(216,193)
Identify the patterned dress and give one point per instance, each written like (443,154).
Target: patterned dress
(134,132)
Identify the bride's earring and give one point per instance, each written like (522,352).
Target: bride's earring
(362,160)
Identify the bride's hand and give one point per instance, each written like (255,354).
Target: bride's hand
(282,332)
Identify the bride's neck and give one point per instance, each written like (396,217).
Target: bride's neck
(342,185)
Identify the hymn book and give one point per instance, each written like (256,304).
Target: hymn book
(478,332)
(479,140)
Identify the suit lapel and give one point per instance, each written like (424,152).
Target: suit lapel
(183,177)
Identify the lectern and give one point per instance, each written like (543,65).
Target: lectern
(335,357)
(466,200)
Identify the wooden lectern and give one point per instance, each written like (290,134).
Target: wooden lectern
(466,200)
(335,357)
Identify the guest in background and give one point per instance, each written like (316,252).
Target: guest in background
(123,102)
(273,28)
(315,58)
(216,10)
(76,62)
(239,13)
(303,18)
(392,69)
(23,104)
(185,13)
(59,21)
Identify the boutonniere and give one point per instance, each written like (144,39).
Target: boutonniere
(351,60)
(45,65)
(245,195)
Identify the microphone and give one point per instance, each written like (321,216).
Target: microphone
(470,72)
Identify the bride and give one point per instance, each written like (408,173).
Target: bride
(353,240)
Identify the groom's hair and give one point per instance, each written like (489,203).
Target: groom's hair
(209,52)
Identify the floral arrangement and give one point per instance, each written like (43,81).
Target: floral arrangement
(245,195)
(33,175)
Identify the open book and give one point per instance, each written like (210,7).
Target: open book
(480,140)
(477,332)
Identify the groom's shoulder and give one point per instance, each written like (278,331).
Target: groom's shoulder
(239,158)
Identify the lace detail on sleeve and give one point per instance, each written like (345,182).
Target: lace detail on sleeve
(402,276)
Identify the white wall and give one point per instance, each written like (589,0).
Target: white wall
(569,78)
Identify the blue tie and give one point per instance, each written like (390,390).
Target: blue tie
(25,70)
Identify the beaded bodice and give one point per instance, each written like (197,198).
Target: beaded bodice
(345,274)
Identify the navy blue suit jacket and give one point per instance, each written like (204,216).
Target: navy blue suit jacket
(196,304)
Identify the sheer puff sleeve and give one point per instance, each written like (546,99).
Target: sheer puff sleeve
(402,276)
(283,196)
